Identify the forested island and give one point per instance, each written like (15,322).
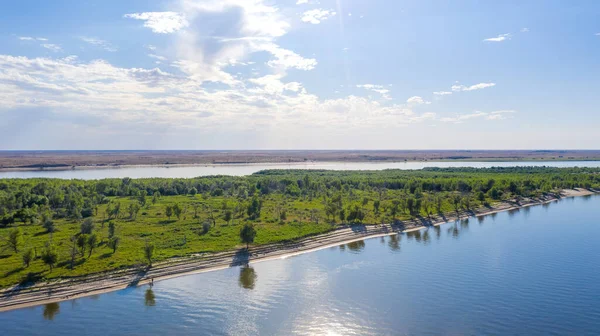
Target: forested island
(53,228)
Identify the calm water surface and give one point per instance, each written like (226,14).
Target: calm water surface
(241,169)
(531,272)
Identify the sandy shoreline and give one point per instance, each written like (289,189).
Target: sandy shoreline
(68,289)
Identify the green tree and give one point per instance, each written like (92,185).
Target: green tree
(133,209)
(456,202)
(177,210)
(481,198)
(227,216)
(155,197)
(376,204)
(92,241)
(142,198)
(169,212)
(149,252)
(111,229)
(113,243)
(87,226)
(254,208)
(247,234)
(14,239)
(205,227)
(48,224)
(49,257)
(27,257)
(81,242)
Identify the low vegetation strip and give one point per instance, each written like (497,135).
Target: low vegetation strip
(54,229)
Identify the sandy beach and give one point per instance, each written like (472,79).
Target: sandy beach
(61,290)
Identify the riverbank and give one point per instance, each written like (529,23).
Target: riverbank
(67,160)
(61,290)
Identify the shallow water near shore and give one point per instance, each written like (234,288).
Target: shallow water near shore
(533,271)
(248,169)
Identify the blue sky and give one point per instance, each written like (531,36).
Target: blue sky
(299,74)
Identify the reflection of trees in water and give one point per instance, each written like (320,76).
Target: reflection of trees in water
(513,212)
(356,246)
(50,310)
(453,230)
(426,237)
(247,278)
(526,211)
(480,219)
(149,298)
(394,242)
(438,232)
(342,247)
(494,215)
(414,234)
(464,224)
(382,240)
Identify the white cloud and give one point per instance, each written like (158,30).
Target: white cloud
(99,43)
(301,2)
(52,47)
(524,30)
(29,38)
(499,38)
(597,34)
(416,100)
(102,95)
(158,57)
(500,115)
(496,115)
(205,50)
(288,59)
(376,88)
(315,16)
(442,93)
(151,47)
(272,84)
(457,87)
(161,22)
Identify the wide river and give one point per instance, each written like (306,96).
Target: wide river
(530,272)
(247,169)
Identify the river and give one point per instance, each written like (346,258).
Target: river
(247,169)
(534,271)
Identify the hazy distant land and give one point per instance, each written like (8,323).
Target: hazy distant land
(10,160)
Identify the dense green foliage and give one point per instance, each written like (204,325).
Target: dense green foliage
(53,228)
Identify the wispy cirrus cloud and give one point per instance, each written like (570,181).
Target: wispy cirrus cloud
(29,38)
(161,22)
(316,16)
(376,88)
(499,38)
(99,43)
(495,115)
(52,47)
(480,86)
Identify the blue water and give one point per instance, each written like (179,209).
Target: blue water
(530,272)
(247,169)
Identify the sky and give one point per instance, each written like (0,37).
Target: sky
(299,74)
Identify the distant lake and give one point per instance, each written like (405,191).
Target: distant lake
(247,169)
(535,271)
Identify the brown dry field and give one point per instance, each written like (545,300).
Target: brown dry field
(67,159)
